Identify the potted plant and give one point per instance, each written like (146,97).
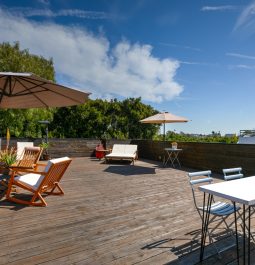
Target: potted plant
(7,158)
(174,145)
(45,153)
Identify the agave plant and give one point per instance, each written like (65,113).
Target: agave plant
(8,157)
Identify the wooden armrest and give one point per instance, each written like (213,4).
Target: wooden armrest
(27,170)
(13,167)
(41,165)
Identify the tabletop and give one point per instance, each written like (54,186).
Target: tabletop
(239,190)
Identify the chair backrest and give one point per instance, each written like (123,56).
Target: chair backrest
(232,173)
(55,169)
(197,179)
(20,148)
(30,157)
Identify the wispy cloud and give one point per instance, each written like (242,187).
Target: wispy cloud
(44,2)
(87,61)
(180,46)
(246,21)
(33,12)
(219,8)
(242,66)
(197,63)
(242,56)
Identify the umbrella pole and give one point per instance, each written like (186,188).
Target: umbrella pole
(164,131)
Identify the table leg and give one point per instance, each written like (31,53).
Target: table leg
(205,223)
(244,235)
(249,234)
(174,157)
(237,243)
(168,157)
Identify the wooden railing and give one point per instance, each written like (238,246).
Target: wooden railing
(214,156)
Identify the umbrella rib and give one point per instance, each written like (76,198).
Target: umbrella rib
(45,89)
(26,88)
(5,87)
(34,91)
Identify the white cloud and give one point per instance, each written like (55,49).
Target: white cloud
(86,61)
(218,8)
(246,21)
(242,56)
(44,2)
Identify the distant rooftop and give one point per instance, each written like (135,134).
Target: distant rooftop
(247,133)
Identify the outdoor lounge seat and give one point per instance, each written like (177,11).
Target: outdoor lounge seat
(123,152)
(39,182)
(29,158)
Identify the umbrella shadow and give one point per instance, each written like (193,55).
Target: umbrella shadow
(128,170)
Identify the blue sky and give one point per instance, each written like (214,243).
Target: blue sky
(193,58)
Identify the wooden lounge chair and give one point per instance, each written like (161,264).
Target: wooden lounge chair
(39,182)
(29,158)
(123,152)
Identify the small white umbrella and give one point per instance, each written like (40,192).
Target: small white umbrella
(163,118)
(26,90)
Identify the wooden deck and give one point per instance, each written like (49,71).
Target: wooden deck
(110,214)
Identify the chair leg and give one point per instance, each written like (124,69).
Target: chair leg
(31,202)
(61,192)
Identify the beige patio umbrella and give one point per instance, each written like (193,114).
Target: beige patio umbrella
(26,90)
(163,118)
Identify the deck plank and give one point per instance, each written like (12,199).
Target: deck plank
(110,214)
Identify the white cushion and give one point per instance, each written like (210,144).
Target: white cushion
(20,148)
(123,151)
(33,180)
(54,161)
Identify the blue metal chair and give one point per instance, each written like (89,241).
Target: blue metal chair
(232,173)
(219,211)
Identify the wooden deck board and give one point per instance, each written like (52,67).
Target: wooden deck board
(110,214)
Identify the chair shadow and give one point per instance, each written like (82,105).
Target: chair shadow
(187,249)
(4,203)
(127,170)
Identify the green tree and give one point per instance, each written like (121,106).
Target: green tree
(13,59)
(103,119)
(23,123)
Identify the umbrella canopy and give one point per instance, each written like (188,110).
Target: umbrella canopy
(164,117)
(26,90)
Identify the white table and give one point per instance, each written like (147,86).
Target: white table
(238,191)
(172,156)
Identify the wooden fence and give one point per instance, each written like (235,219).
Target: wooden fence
(214,156)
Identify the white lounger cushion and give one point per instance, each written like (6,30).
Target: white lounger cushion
(123,151)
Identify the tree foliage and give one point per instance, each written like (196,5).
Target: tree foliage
(213,138)
(23,123)
(103,119)
(13,59)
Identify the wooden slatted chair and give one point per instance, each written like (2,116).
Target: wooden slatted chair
(29,158)
(39,183)
(20,148)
